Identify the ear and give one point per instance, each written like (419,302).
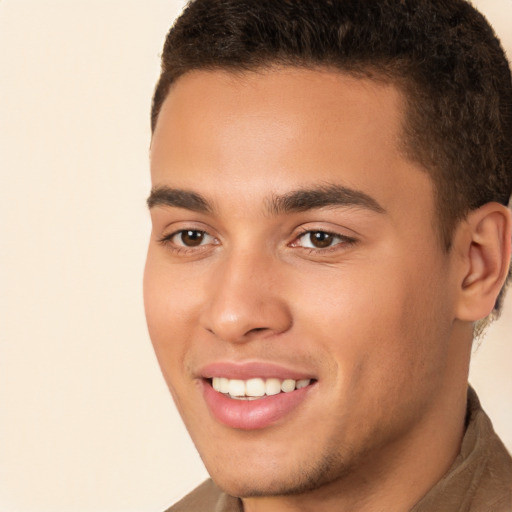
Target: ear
(485,247)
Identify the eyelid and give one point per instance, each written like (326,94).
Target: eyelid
(345,240)
(166,240)
(181,231)
(168,229)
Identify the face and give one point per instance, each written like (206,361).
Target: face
(296,293)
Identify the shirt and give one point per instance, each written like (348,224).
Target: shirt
(479,480)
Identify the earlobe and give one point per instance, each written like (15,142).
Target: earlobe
(486,253)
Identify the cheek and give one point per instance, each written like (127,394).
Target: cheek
(375,325)
(169,303)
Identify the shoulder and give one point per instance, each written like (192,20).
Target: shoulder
(480,479)
(201,499)
(494,492)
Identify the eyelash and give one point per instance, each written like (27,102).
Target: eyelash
(166,241)
(344,242)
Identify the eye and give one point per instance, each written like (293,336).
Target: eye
(320,240)
(189,238)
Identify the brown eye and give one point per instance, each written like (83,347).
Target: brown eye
(321,239)
(191,237)
(186,240)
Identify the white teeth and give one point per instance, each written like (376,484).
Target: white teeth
(287,385)
(216,383)
(257,387)
(272,387)
(302,383)
(223,385)
(236,387)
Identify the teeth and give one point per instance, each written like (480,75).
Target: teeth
(272,387)
(287,385)
(236,387)
(256,388)
(302,383)
(224,385)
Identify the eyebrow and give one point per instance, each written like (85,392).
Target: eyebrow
(330,195)
(301,200)
(166,196)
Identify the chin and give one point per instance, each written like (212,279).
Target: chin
(277,479)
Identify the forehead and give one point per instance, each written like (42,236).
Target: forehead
(281,101)
(274,130)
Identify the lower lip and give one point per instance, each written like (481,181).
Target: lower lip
(252,414)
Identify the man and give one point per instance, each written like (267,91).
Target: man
(330,181)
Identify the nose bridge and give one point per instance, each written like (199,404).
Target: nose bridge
(243,300)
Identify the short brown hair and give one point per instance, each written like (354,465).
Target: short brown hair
(443,54)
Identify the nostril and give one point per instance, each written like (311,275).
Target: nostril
(235,322)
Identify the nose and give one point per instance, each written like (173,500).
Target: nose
(244,300)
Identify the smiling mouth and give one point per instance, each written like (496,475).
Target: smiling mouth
(256,388)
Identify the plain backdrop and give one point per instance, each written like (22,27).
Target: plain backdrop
(86,422)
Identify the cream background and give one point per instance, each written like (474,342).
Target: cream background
(86,423)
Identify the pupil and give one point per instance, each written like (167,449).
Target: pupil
(192,238)
(321,239)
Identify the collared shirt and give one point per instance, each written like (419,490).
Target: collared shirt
(479,480)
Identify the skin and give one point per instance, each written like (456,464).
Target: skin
(382,318)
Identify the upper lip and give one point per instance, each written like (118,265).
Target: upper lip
(251,370)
